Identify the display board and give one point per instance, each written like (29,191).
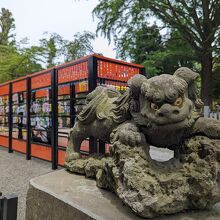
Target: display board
(4,110)
(19,116)
(40,116)
(64,114)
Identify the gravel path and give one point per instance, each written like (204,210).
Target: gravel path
(15,173)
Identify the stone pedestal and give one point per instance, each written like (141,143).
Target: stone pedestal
(61,195)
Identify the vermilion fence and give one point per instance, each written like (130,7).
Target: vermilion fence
(38,110)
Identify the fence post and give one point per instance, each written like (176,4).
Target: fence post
(28,121)
(54,129)
(1,206)
(143,71)
(8,207)
(10,119)
(92,84)
(72,105)
(102,147)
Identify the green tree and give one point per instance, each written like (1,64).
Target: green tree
(174,53)
(138,44)
(7,26)
(15,63)
(54,47)
(198,22)
(79,46)
(51,47)
(15,60)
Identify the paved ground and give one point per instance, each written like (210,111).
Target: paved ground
(15,173)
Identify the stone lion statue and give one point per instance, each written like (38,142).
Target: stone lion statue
(166,112)
(164,109)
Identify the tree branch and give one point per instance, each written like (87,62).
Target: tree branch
(180,24)
(187,34)
(193,13)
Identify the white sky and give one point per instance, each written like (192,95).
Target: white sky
(65,17)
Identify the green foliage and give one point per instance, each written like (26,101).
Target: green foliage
(18,59)
(197,21)
(174,53)
(7,26)
(117,16)
(139,41)
(79,46)
(15,63)
(137,44)
(51,47)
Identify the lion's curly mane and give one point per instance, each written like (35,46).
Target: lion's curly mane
(106,103)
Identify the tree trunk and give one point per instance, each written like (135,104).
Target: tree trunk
(206,76)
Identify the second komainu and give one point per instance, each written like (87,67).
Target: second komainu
(163,111)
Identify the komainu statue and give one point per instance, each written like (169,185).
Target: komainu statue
(164,111)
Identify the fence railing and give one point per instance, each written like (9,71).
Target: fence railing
(37,111)
(214,115)
(8,207)
(211,114)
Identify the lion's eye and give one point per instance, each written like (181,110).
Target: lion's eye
(154,106)
(178,101)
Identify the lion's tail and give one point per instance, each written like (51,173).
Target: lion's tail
(96,100)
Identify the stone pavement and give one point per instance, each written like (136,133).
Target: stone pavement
(15,173)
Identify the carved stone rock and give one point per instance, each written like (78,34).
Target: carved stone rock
(152,188)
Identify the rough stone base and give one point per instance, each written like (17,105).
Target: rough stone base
(151,188)
(60,195)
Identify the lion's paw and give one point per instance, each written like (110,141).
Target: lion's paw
(128,135)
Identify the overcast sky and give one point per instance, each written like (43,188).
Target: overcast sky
(65,17)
